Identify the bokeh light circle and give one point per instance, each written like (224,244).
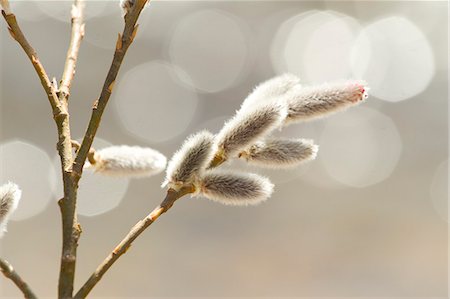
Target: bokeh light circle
(214,125)
(421,13)
(361,147)
(97,194)
(27,10)
(211,46)
(439,190)
(312,172)
(279,41)
(61,10)
(394,57)
(31,168)
(315,45)
(151,103)
(101,34)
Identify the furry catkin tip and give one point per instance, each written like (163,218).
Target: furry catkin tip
(232,188)
(320,100)
(129,161)
(281,153)
(10,195)
(270,90)
(246,127)
(191,159)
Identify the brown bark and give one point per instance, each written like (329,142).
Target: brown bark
(10,273)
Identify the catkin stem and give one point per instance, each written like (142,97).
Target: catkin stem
(217,160)
(123,246)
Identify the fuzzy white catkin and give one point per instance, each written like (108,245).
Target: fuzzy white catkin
(270,90)
(129,161)
(317,101)
(10,195)
(246,127)
(281,153)
(191,159)
(231,188)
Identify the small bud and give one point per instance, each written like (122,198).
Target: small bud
(320,100)
(234,188)
(190,160)
(246,127)
(4,4)
(9,200)
(128,161)
(270,90)
(280,153)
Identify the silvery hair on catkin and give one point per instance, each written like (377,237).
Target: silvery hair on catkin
(280,153)
(10,195)
(191,159)
(272,104)
(128,161)
(270,90)
(246,127)
(233,188)
(310,102)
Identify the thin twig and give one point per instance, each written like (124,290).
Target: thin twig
(123,42)
(61,117)
(71,228)
(4,5)
(123,246)
(72,53)
(59,111)
(10,273)
(17,34)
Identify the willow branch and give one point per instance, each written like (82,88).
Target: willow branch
(125,244)
(10,273)
(17,34)
(59,111)
(76,37)
(70,225)
(123,42)
(71,229)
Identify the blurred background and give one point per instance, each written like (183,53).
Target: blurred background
(367,218)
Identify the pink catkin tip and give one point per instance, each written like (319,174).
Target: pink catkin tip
(362,89)
(362,92)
